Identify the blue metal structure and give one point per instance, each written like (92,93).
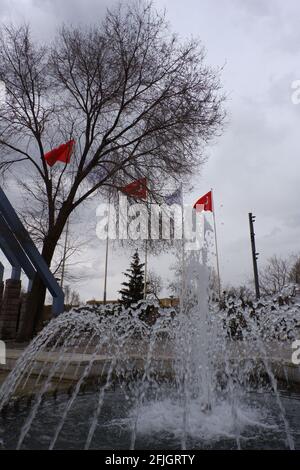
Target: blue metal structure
(22,253)
(9,248)
(1,272)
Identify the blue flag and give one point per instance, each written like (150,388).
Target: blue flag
(174,198)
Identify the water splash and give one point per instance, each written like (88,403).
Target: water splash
(181,372)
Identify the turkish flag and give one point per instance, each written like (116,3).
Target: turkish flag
(137,189)
(205,202)
(60,154)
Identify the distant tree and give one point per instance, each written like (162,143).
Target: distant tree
(154,284)
(133,290)
(274,276)
(72,297)
(174,285)
(242,293)
(214,283)
(294,274)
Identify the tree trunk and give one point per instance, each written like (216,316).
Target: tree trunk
(36,299)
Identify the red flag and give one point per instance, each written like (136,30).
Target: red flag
(137,189)
(205,202)
(61,153)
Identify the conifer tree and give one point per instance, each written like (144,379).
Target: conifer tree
(133,290)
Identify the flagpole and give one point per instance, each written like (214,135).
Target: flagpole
(216,243)
(146,252)
(146,268)
(63,267)
(138,189)
(182,252)
(106,255)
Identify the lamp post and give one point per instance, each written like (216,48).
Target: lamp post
(254,254)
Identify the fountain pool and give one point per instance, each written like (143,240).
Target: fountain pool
(159,425)
(177,383)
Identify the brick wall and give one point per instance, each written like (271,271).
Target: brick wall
(10,308)
(1,293)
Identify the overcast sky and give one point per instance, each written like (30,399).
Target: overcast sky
(255,165)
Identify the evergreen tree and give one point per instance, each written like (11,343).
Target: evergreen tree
(133,290)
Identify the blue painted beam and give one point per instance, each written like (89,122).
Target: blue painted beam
(9,255)
(13,251)
(22,236)
(15,273)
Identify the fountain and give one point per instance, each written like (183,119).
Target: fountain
(96,380)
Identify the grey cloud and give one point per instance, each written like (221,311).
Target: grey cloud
(261,8)
(45,16)
(255,165)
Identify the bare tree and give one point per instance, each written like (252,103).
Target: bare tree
(69,246)
(242,292)
(72,297)
(66,261)
(274,276)
(214,283)
(294,275)
(137,102)
(154,284)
